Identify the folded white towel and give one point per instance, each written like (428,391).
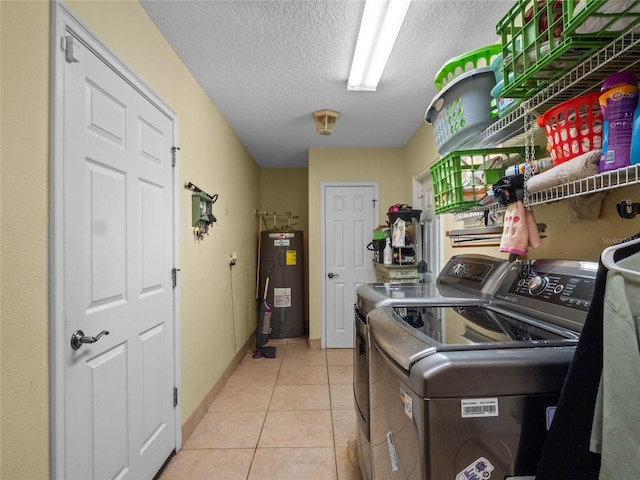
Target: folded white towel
(582,166)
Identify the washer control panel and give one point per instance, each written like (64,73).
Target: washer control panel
(540,284)
(469,270)
(566,290)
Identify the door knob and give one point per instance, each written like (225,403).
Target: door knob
(332,275)
(78,338)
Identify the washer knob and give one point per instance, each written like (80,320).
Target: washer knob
(458,269)
(537,285)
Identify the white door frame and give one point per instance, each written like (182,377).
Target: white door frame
(323,272)
(63,20)
(417,198)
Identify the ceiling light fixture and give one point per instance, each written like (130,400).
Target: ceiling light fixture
(325,121)
(381,22)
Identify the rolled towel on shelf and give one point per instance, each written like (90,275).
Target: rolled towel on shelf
(577,168)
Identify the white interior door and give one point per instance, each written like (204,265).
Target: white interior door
(348,225)
(118,230)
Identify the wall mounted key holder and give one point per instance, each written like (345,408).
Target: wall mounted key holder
(201,210)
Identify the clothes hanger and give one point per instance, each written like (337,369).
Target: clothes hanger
(608,257)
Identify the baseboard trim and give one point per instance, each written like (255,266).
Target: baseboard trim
(189,426)
(315,344)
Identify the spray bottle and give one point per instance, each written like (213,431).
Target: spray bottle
(387,254)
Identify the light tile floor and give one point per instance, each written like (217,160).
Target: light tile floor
(283,418)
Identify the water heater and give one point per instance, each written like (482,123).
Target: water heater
(281,260)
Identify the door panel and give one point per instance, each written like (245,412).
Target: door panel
(361,238)
(108,373)
(339,295)
(151,238)
(107,219)
(153,420)
(349,223)
(118,256)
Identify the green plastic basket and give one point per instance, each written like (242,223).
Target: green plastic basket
(461,179)
(535,48)
(600,18)
(480,57)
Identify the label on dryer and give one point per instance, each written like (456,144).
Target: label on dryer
(392,452)
(479,470)
(479,407)
(407,403)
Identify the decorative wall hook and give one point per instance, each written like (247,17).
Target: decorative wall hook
(627,209)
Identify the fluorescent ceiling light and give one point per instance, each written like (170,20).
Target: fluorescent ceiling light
(381,22)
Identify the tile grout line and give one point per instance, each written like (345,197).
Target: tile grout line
(331,408)
(264,420)
(333,428)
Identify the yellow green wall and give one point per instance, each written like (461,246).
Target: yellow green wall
(285,190)
(382,165)
(211,156)
(420,154)
(25,202)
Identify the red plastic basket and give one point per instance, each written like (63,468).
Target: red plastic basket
(573,127)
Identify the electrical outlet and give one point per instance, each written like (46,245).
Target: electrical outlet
(232,258)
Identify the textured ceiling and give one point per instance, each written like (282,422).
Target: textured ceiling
(267,65)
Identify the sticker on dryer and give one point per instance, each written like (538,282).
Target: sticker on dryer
(392,453)
(407,403)
(479,407)
(479,470)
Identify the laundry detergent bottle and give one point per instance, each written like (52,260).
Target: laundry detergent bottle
(635,137)
(618,103)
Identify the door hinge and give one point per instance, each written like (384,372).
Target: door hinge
(70,49)
(374,203)
(174,277)
(174,154)
(175,396)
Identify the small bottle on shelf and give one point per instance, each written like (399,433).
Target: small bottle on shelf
(388,253)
